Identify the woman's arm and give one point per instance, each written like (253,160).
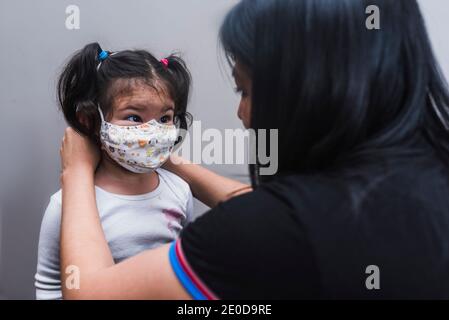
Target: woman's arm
(84,249)
(207,186)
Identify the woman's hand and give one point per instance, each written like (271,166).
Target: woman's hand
(78,152)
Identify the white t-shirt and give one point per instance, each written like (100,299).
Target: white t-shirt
(131,225)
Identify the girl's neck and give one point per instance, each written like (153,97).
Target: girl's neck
(113,178)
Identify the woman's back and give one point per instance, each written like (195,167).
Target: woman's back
(393,216)
(334,235)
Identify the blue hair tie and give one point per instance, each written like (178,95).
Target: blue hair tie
(103,55)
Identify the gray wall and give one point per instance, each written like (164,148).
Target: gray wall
(35,43)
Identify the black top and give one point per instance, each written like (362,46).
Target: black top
(314,236)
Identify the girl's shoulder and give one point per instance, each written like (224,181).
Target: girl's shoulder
(56,198)
(174,182)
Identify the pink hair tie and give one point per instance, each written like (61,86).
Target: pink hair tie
(165,62)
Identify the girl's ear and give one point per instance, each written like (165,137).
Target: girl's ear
(90,122)
(83,119)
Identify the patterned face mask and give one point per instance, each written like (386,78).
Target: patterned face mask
(139,149)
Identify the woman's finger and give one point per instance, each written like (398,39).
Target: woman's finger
(78,150)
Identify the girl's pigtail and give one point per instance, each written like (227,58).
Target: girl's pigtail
(181,81)
(78,90)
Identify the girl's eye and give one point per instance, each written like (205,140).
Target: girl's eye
(134,118)
(165,119)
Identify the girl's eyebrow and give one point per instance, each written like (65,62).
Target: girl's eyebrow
(167,108)
(143,107)
(136,107)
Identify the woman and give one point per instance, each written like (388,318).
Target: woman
(363,180)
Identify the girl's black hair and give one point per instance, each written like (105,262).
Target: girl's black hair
(84,85)
(337,91)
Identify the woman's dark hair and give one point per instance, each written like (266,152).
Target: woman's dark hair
(84,84)
(336,90)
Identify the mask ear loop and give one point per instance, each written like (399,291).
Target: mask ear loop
(101,114)
(102,122)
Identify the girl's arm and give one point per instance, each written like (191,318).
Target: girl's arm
(207,186)
(85,256)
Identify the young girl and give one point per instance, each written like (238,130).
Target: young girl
(131,105)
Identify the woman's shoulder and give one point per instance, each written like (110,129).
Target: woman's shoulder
(405,178)
(287,193)
(347,197)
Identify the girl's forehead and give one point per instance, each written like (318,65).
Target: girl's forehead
(142,96)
